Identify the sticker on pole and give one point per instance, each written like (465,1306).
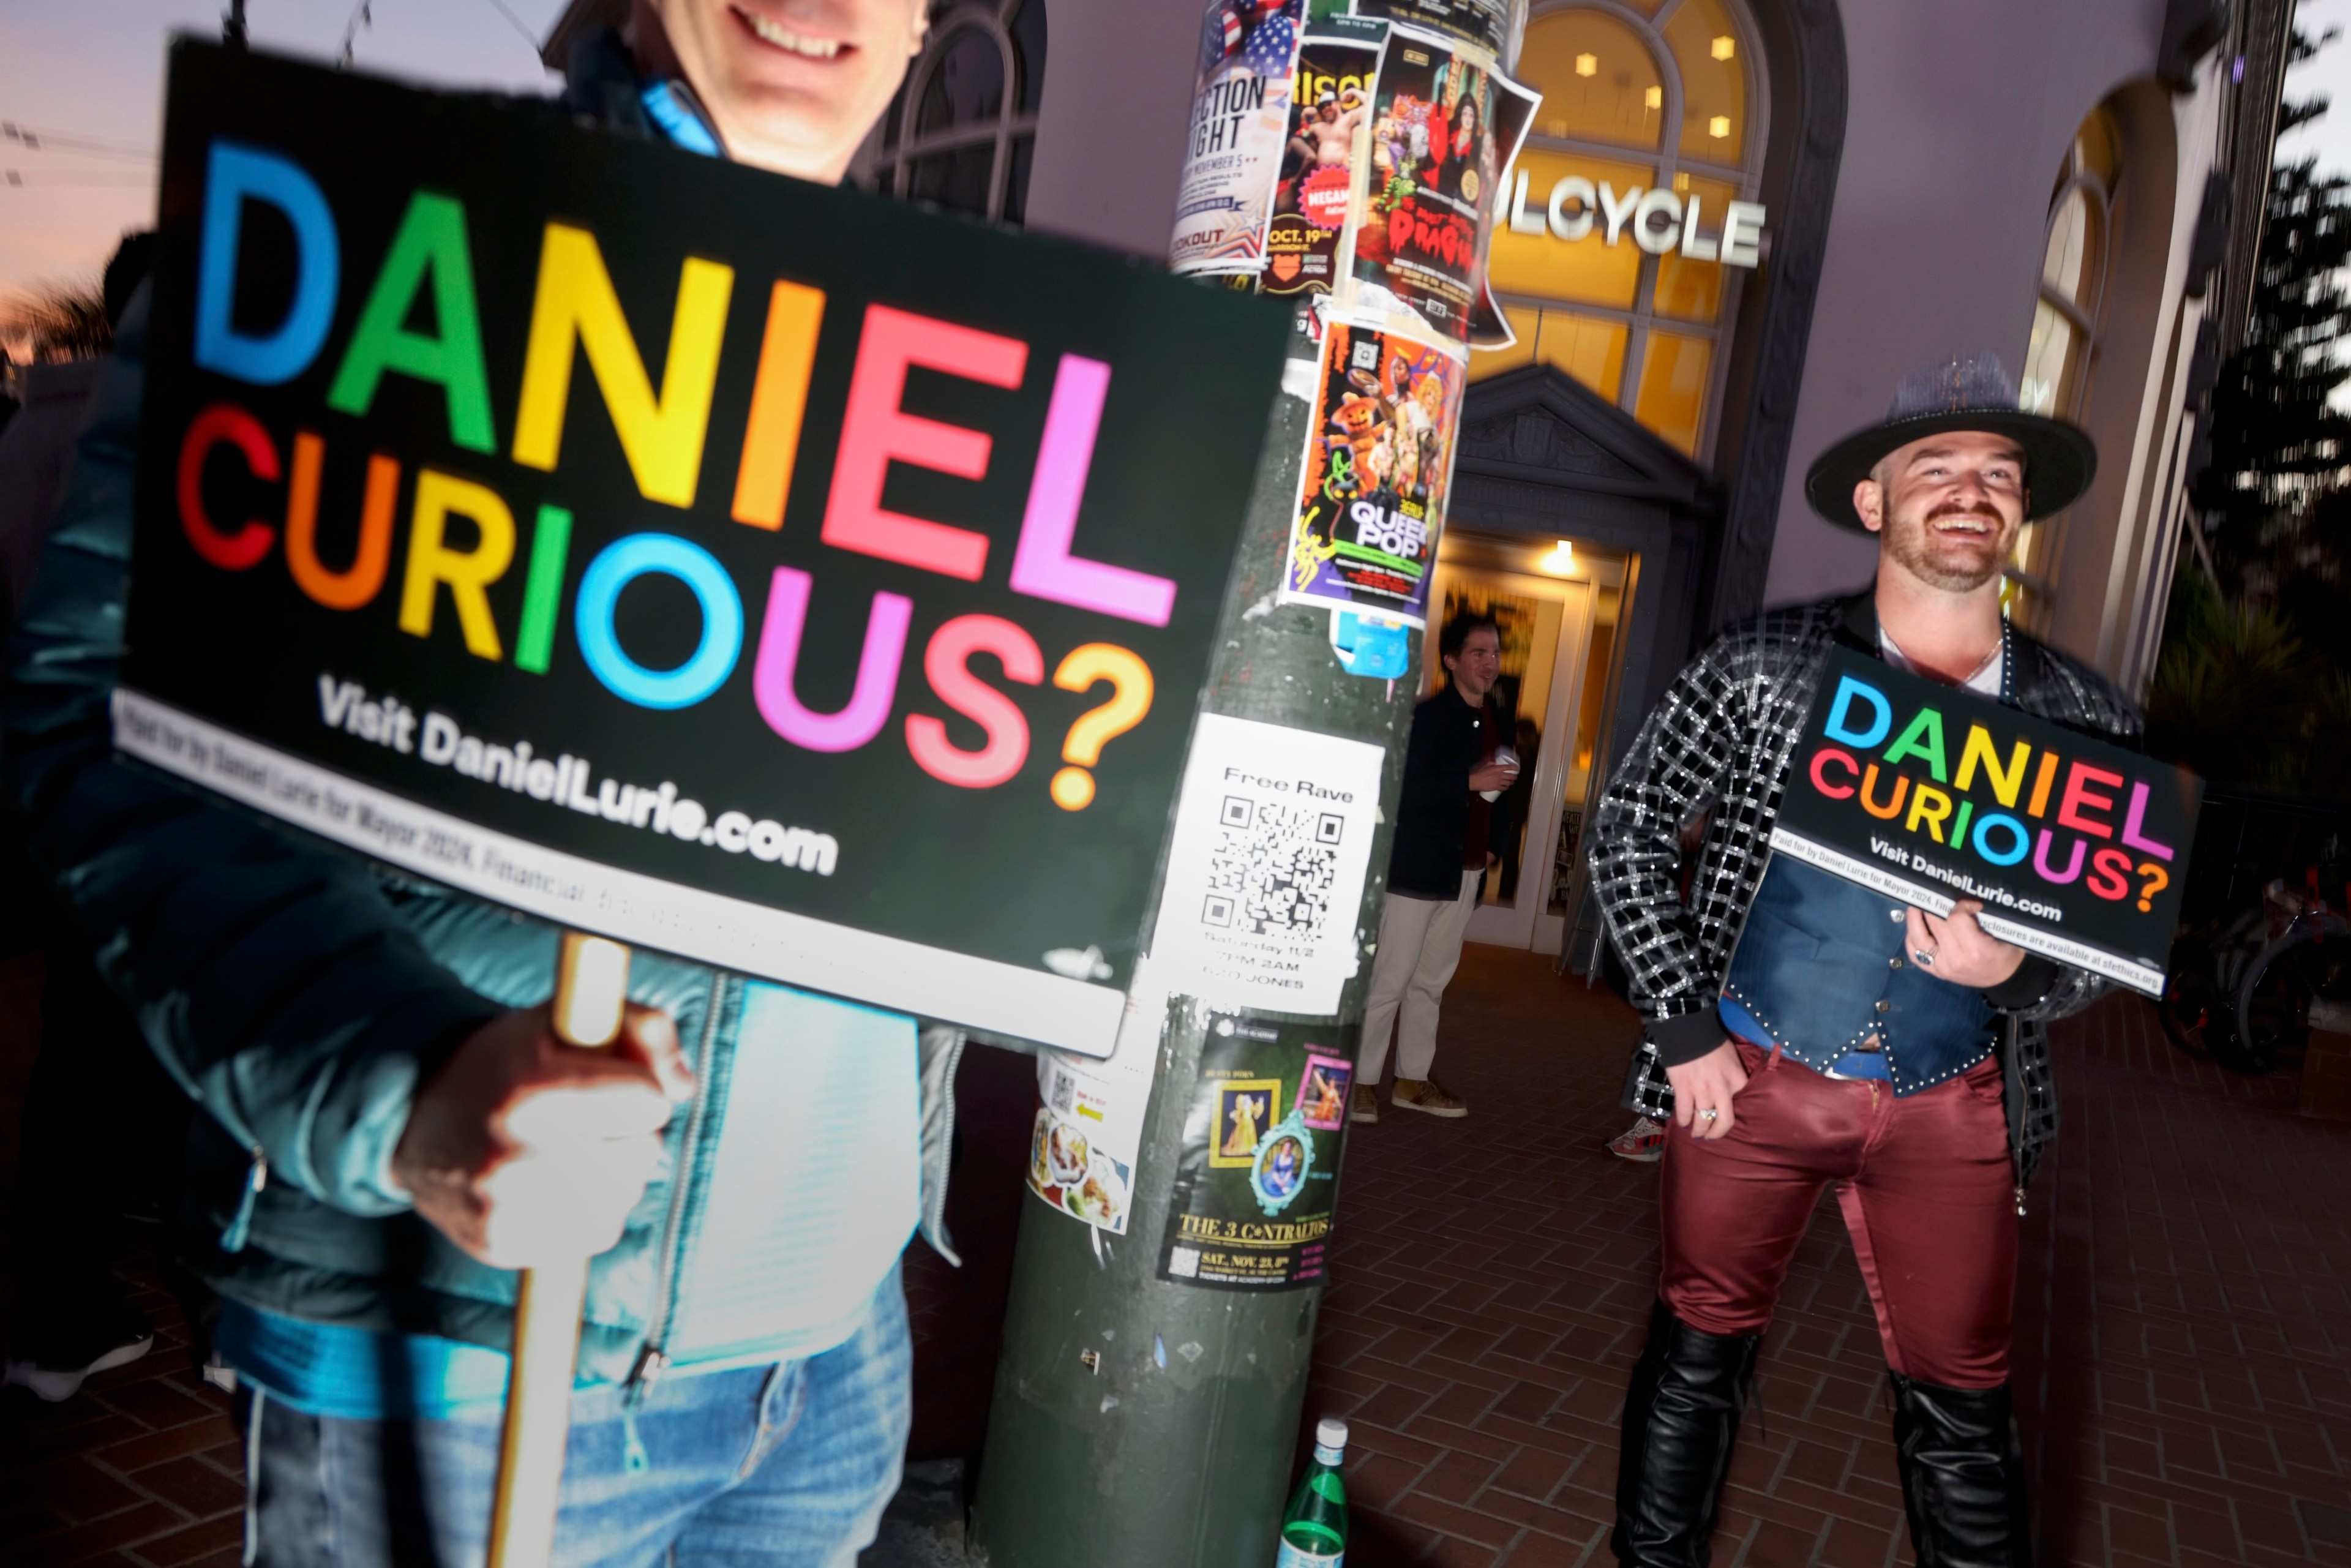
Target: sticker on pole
(778,576)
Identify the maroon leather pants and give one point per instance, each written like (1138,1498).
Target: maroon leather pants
(1927,1195)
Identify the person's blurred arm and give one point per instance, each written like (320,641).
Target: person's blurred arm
(272,975)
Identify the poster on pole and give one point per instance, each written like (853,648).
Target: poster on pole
(1331,102)
(1514,113)
(1433,175)
(1483,25)
(1257,1175)
(1379,457)
(2077,848)
(1087,1133)
(1240,120)
(1266,868)
(778,576)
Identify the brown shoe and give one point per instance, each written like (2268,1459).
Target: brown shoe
(1363,1104)
(1426,1094)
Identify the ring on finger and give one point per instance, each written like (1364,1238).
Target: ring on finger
(1709,1114)
(1925,956)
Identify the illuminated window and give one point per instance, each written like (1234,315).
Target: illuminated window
(963,130)
(1636,105)
(2062,353)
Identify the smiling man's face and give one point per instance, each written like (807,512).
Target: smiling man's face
(790,85)
(1948,506)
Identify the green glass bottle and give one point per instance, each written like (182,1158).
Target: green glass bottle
(1315,1529)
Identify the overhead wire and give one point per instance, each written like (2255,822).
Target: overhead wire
(41,139)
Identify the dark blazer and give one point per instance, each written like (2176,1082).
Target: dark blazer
(1449,738)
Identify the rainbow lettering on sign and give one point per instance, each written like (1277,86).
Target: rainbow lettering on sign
(427,272)
(1999,807)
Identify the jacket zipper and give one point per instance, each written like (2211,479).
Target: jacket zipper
(257,1176)
(935,1204)
(652,1360)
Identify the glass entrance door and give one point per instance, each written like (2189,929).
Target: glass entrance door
(1545,627)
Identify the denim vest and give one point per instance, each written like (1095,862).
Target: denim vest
(1823,965)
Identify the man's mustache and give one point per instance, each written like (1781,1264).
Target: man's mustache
(1984,509)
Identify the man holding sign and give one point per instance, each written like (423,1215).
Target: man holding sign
(1807,1029)
(394,1126)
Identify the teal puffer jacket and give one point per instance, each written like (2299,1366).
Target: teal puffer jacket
(301,995)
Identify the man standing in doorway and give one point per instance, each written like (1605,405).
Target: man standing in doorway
(1803,1032)
(1434,871)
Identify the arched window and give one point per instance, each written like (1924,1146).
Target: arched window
(963,130)
(1645,95)
(2062,355)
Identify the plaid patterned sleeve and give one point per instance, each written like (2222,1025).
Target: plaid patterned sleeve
(1678,766)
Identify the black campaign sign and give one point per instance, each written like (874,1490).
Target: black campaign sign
(2077,848)
(770,574)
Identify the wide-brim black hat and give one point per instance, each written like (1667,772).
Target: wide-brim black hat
(1969,393)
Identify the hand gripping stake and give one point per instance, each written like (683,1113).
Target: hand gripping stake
(591,983)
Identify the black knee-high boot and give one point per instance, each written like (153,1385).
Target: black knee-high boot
(1681,1414)
(1962,1476)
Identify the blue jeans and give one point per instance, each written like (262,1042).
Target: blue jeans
(786,1466)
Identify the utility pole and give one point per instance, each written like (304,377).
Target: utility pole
(232,24)
(1137,1420)
(1122,1459)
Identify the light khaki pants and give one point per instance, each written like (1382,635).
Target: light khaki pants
(1420,947)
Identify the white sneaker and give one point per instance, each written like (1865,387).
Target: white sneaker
(56,1373)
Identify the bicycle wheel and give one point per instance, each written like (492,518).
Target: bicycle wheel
(2273,1002)
(2196,1014)
(2198,1005)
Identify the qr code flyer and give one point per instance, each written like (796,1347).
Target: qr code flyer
(1273,836)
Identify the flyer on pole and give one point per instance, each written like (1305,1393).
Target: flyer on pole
(1379,459)
(1240,121)
(778,576)
(1337,74)
(1257,1175)
(1483,25)
(1434,171)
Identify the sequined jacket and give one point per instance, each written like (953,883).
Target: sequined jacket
(1719,746)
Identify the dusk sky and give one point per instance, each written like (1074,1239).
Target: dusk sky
(93,69)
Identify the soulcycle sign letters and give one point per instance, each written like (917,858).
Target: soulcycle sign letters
(773,575)
(1658,220)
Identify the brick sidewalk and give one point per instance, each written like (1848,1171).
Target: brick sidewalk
(142,1470)
(2185,1337)
(2184,1330)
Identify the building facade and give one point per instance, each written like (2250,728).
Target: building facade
(2076,188)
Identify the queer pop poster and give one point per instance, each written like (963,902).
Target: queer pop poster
(1240,118)
(2077,848)
(1258,1174)
(1379,455)
(1331,102)
(773,575)
(1433,175)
